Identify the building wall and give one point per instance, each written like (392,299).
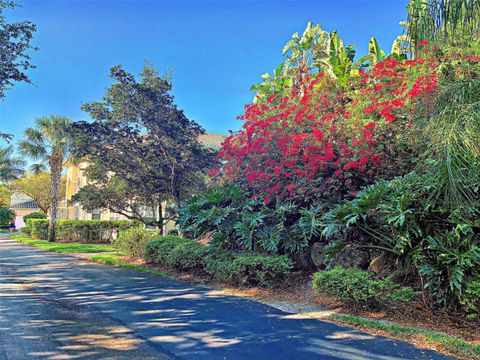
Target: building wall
(75,180)
(17,204)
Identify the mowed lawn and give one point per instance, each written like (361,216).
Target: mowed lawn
(64,248)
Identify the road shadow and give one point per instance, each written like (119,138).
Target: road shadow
(174,317)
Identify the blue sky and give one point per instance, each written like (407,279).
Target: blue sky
(216,50)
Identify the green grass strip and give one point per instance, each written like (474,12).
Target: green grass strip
(113,259)
(63,248)
(456,345)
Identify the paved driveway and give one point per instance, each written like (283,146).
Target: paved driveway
(54,306)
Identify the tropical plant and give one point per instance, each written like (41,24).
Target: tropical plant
(6,215)
(448,261)
(11,166)
(236,222)
(442,21)
(48,143)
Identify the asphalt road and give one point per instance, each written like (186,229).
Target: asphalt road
(54,306)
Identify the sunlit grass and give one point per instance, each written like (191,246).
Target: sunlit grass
(115,260)
(63,248)
(455,345)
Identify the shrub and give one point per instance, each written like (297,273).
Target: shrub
(471,299)
(176,253)
(38,228)
(132,241)
(358,287)
(35,215)
(234,268)
(6,215)
(248,269)
(81,231)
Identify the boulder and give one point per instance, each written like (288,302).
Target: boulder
(351,257)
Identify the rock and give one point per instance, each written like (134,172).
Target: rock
(351,257)
(318,256)
(302,260)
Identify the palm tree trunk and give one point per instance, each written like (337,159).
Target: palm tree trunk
(56,164)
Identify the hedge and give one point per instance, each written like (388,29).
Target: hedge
(358,287)
(34,215)
(228,267)
(176,253)
(81,231)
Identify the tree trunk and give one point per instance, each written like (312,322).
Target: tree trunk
(160,220)
(56,164)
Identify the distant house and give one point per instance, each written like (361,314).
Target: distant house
(22,205)
(76,179)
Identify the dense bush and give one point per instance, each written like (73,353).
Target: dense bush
(34,215)
(229,267)
(248,269)
(81,231)
(177,253)
(471,299)
(359,287)
(6,215)
(402,218)
(132,241)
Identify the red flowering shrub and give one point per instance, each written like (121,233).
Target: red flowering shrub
(325,141)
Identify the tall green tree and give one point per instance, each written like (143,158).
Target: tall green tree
(38,186)
(142,149)
(15,43)
(47,143)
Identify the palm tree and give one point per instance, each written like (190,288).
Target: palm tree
(48,144)
(11,167)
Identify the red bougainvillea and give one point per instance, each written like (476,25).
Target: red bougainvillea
(323,140)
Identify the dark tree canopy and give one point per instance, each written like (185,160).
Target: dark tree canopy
(15,41)
(141,148)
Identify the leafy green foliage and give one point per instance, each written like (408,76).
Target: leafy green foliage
(15,42)
(402,217)
(358,287)
(442,21)
(248,269)
(138,119)
(38,186)
(447,261)
(176,253)
(35,215)
(48,143)
(6,215)
(132,241)
(471,298)
(239,222)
